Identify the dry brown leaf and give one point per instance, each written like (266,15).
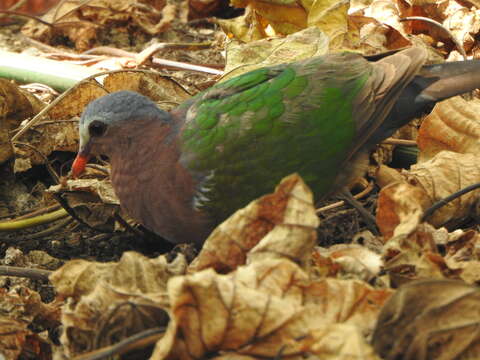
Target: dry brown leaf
(246,28)
(385,175)
(348,261)
(400,208)
(462,253)
(15,105)
(463,23)
(285,17)
(22,309)
(416,256)
(282,224)
(331,17)
(81,22)
(453,125)
(400,205)
(289,17)
(431,319)
(386,12)
(161,89)
(93,200)
(242,58)
(16,338)
(266,306)
(131,292)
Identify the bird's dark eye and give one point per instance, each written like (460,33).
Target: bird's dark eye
(97,128)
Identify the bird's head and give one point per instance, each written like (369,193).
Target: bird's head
(107,118)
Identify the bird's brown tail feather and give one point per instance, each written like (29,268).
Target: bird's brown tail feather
(442,81)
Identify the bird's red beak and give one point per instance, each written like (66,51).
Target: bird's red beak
(78,166)
(79,163)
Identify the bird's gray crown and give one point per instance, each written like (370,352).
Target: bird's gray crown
(122,106)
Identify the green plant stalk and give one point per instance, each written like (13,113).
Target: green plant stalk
(14,225)
(29,69)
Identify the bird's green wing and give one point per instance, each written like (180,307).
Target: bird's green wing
(243,135)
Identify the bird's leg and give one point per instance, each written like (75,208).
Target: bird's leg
(369,219)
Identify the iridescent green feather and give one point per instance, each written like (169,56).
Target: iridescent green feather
(261,126)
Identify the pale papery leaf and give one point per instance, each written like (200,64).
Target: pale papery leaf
(430,319)
(285,17)
(92,16)
(400,208)
(462,253)
(281,224)
(386,12)
(463,22)
(415,256)
(263,306)
(401,204)
(331,17)
(349,261)
(242,58)
(453,125)
(98,296)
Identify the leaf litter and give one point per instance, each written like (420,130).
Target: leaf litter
(274,280)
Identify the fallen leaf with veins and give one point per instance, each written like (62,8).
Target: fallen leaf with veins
(416,256)
(430,319)
(100,295)
(453,125)
(401,204)
(347,261)
(281,224)
(263,307)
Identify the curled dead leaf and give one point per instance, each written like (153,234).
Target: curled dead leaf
(285,17)
(434,318)
(401,204)
(331,17)
(453,125)
(100,296)
(15,105)
(242,58)
(416,256)
(82,23)
(264,307)
(93,201)
(348,261)
(281,224)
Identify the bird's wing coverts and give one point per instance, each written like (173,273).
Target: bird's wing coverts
(243,135)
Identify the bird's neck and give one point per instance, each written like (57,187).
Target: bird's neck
(154,188)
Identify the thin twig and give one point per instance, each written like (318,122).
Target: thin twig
(56,122)
(72,10)
(15,6)
(35,274)
(47,108)
(100,168)
(127,226)
(73,214)
(155,61)
(457,43)
(50,169)
(337,204)
(140,340)
(50,230)
(442,202)
(19,14)
(392,141)
(151,50)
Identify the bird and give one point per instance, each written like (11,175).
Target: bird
(181,173)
